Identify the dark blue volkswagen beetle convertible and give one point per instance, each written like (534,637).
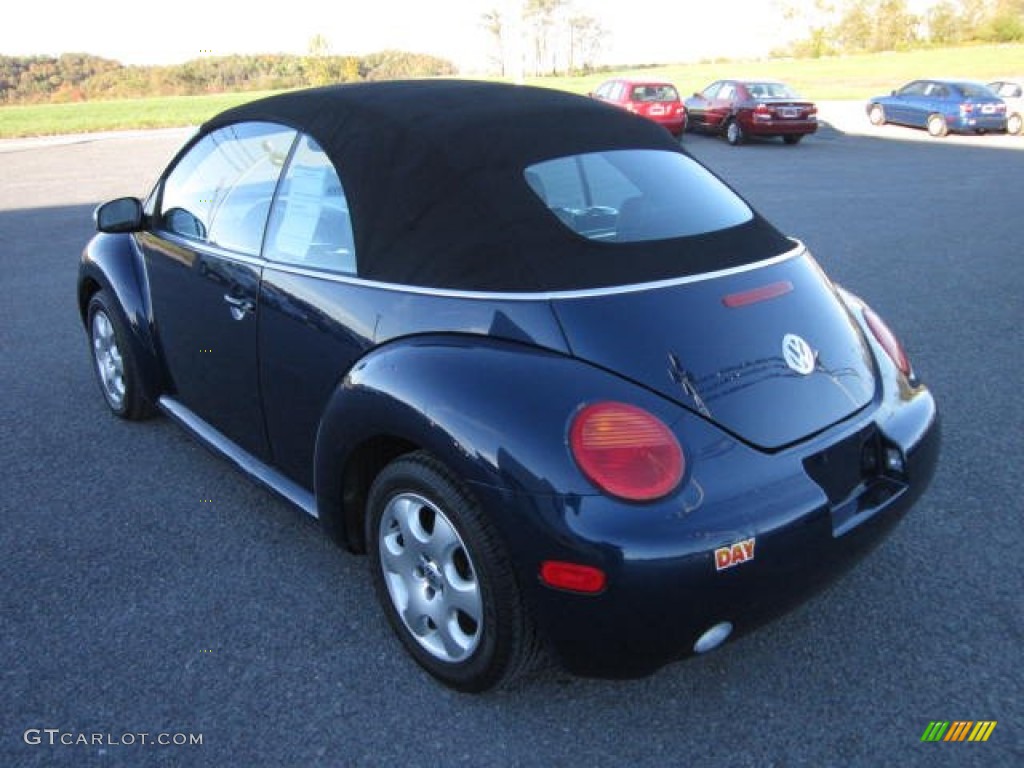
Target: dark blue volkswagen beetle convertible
(568,390)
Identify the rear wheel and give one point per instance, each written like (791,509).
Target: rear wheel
(734,133)
(443,577)
(937,126)
(876,114)
(114,361)
(793,138)
(1014,124)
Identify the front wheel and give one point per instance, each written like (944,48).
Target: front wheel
(1014,124)
(734,133)
(876,114)
(937,126)
(443,577)
(114,361)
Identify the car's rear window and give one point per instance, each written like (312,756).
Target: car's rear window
(635,195)
(973,91)
(771,91)
(654,92)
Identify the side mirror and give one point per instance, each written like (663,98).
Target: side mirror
(892,92)
(121,215)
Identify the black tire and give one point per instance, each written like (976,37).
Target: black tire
(114,361)
(876,114)
(793,138)
(937,126)
(454,567)
(734,133)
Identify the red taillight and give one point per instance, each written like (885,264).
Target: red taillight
(761,109)
(572,576)
(888,340)
(966,109)
(626,452)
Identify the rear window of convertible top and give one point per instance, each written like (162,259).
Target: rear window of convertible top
(635,195)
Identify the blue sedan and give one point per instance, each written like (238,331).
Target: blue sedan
(941,106)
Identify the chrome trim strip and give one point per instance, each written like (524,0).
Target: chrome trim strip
(798,250)
(245,461)
(210,248)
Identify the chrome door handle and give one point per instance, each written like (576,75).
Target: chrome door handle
(239,307)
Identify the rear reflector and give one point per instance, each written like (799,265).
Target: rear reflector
(755,295)
(572,577)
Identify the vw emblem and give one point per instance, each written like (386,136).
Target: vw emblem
(798,354)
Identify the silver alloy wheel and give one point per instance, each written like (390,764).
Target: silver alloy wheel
(733,133)
(107,356)
(1014,124)
(937,126)
(430,577)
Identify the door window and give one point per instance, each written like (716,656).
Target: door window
(220,191)
(310,225)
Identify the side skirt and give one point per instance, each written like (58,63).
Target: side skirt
(245,461)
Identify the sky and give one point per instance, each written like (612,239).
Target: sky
(641,31)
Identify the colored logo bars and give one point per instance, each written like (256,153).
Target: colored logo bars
(960,730)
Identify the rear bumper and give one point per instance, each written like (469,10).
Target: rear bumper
(673,124)
(994,123)
(781,127)
(664,589)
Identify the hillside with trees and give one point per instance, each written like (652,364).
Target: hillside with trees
(82,77)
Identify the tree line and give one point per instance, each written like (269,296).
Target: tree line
(857,26)
(542,37)
(80,77)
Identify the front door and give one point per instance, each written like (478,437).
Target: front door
(202,259)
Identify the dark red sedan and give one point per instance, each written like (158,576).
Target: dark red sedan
(655,100)
(742,108)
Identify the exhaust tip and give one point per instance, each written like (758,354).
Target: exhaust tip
(713,637)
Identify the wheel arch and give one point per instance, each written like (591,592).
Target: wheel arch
(495,413)
(113,264)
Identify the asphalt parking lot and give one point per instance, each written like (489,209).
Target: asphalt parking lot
(149,588)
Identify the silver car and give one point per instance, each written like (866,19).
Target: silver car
(1012,92)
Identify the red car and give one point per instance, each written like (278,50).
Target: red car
(655,100)
(742,108)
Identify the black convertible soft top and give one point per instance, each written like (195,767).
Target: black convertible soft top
(434,176)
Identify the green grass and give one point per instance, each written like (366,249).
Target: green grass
(836,77)
(91,116)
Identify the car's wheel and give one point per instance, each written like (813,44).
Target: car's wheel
(876,114)
(734,133)
(444,578)
(1014,124)
(792,138)
(117,370)
(937,126)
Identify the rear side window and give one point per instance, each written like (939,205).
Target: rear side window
(220,191)
(635,195)
(310,225)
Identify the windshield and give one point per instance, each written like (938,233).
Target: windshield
(635,195)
